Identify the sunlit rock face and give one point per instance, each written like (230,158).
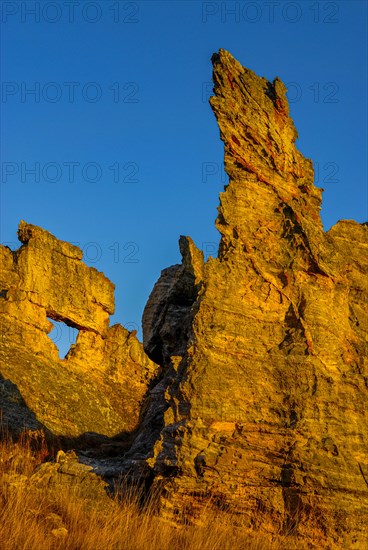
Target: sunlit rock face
(251,390)
(264,404)
(100,385)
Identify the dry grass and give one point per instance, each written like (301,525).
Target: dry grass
(57,518)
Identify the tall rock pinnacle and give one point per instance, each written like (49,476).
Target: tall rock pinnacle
(267,385)
(251,391)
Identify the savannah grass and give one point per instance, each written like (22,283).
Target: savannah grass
(56,518)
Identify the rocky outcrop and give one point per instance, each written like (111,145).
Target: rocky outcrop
(259,404)
(264,347)
(100,385)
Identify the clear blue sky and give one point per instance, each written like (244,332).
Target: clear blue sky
(120,93)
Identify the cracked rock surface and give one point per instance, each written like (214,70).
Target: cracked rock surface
(100,385)
(265,406)
(252,386)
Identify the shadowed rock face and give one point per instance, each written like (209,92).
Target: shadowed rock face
(100,385)
(260,402)
(267,389)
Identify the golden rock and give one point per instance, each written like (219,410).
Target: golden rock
(251,390)
(267,411)
(100,385)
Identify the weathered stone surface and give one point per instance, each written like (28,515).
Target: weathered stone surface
(263,406)
(100,385)
(67,471)
(15,415)
(260,401)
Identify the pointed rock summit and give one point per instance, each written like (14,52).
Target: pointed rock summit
(251,391)
(266,405)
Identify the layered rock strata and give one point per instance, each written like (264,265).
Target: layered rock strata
(265,346)
(259,405)
(100,385)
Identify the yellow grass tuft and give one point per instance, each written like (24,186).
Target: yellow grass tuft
(56,517)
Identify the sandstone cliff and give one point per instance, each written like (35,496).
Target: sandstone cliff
(100,385)
(265,346)
(259,400)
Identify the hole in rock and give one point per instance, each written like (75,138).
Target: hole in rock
(63,336)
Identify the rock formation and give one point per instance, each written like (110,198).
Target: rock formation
(259,403)
(265,346)
(100,385)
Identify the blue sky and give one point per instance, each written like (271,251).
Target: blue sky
(124,148)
